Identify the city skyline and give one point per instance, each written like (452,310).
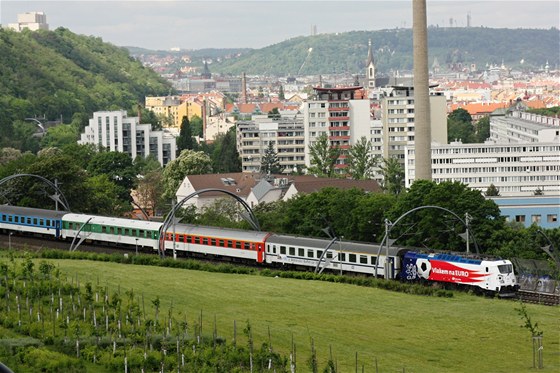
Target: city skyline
(188,24)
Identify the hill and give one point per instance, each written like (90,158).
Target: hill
(347,52)
(58,74)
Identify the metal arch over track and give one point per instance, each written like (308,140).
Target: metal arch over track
(58,197)
(170,219)
(388,226)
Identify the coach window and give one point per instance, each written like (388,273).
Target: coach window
(197,240)
(212,242)
(301,252)
(352,258)
(41,222)
(292,251)
(3,217)
(319,253)
(310,253)
(112,230)
(342,257)
(103,229)
(363,259)
(10,218)
(274,249)
(373,260)
(247,246)
(238,244)
(16,219)
(329,254)
(283,250)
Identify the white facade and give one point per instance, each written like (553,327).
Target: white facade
(522,127)
(286,136)
(32,21)
(116,131)
(514,169)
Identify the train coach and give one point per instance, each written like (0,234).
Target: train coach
(113,231)
(31,220)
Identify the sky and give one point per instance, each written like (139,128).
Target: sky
(192,24)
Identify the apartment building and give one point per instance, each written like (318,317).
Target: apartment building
(174,108)
(518,127)
(286,136)
(116,131)
(343,114)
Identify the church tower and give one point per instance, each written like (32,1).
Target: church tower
(370,68)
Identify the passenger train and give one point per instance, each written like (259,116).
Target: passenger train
(265,248)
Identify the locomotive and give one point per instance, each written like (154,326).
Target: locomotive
(268,249)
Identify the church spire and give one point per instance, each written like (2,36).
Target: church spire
(370,68)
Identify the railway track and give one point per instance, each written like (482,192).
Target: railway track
(546,299)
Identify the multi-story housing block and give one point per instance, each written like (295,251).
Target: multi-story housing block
(523,127)
(343,114)
(522,157)
(397,117)
(116,131)
(286,136)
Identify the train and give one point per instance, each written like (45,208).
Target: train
(488,275)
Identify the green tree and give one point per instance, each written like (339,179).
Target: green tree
(196,126)
(149,192)
(102,197)
(185,139)
(482,129)
(436,229)
(393,176)
(119,169)
(270,163)
(225,157)
(492,191)
(459,127)
(189,162)
(323,157)
(59,136)
(360,160)
(274,114)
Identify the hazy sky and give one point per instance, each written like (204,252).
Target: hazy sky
(190,24)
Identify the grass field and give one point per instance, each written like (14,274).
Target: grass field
(400,331)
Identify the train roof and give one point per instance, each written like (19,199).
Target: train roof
(32,212)
(112,221)
(219,233)
(351,246)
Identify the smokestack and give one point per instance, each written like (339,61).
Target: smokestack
(243,89)
(422,126)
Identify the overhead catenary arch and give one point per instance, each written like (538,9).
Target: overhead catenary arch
(58,197)
(170,219)
(389,226)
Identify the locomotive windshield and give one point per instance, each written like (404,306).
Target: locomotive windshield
(505,268)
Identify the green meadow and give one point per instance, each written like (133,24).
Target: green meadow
(368,328)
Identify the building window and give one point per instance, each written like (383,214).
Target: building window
(552,218)
(520,218)
(535,218)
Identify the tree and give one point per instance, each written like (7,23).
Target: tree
(360,160)
(436,229)
(185,139)
(393,176)
(482,129)
(189,162)
(459,127)
(59,136)
(225,157)
(196,126)
(270,163)
(149,191)
(538,192)
(492,191)
(323,157)
(274,114)
(281,95)
(119,169)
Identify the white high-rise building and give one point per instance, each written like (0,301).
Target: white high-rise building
(32,21)
(116,131)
